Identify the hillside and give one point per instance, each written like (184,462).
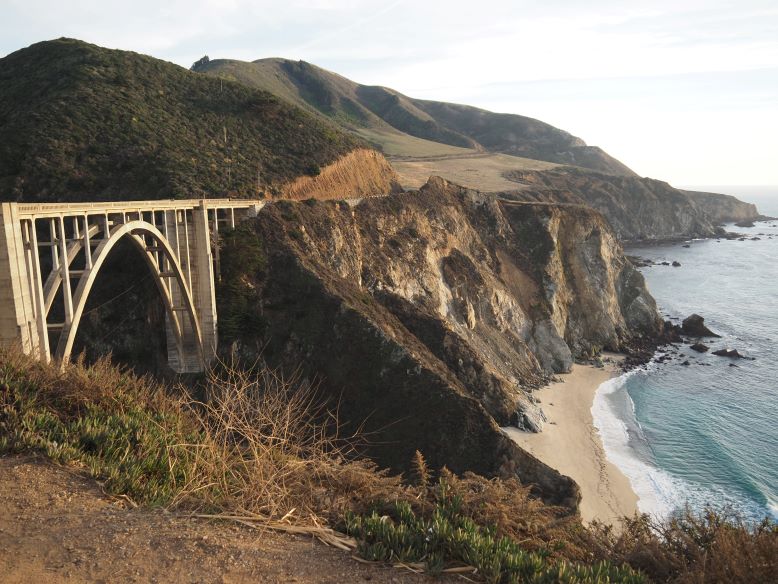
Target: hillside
(81,122)
(518,157)
(724,208)
(397,122)
(637,208)
(432,315)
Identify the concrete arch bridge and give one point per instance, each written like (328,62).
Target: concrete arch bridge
(51,253)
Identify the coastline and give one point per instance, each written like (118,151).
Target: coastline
(572,445)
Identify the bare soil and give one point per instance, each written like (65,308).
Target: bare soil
(57,526)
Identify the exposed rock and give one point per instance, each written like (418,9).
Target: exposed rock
(425,314)
(637,208)
(676,264)
(639,262)
(723,208)
(686,245)
(693,326)
(745,223)
(732,353)
(529,418)
(700,348)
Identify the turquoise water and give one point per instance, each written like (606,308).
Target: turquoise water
(707,433)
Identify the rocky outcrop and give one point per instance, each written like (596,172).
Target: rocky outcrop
(731,353)
(360,173)
(694,326)
(429,316)
(723,208)
(637,208)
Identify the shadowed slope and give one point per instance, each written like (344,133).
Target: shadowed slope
(81,122)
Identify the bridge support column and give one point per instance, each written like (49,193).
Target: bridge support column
(203,281)
(18,314)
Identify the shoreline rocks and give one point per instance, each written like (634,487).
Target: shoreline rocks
(731,353)
(694,326)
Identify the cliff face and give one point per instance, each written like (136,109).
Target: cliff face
(723,208)
(360,173)
(637,208)
(430,316)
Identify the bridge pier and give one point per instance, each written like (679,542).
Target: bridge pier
(204,282)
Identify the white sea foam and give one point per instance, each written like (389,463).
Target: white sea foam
(659,493)
(653,487)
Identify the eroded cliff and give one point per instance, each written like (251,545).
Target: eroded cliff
(637,208)
(430,316)
(724,208)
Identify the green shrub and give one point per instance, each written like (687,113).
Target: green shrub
(116,426)
(448,537)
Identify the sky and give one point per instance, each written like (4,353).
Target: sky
(685,90)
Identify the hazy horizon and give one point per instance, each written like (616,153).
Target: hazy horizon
(686,91)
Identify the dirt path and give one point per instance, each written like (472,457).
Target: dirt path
(57,526)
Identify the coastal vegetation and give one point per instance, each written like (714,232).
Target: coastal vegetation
(80,122)
(372,352)
(263,447)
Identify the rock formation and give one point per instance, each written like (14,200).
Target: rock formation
(693,326)
(429,316)
(637,208)
(731,353)
(724,208)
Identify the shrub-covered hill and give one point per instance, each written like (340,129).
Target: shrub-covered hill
(396,122)
(79,121)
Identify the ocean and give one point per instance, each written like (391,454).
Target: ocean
(706,434)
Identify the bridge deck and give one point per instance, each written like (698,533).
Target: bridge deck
(42,210)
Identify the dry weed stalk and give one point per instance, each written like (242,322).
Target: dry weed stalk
(271,450)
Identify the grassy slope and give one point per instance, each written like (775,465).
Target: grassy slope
(262,456)
(79,121)
(387,116)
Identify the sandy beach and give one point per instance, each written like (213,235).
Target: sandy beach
(570,443)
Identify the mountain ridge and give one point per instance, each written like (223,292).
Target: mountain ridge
(78,121)
(505,154)
(379,109)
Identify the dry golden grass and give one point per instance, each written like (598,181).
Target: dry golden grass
(271,449)
(694,548)
(476,170)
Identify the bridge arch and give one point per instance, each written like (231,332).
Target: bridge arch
(51,253)
(164,265)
